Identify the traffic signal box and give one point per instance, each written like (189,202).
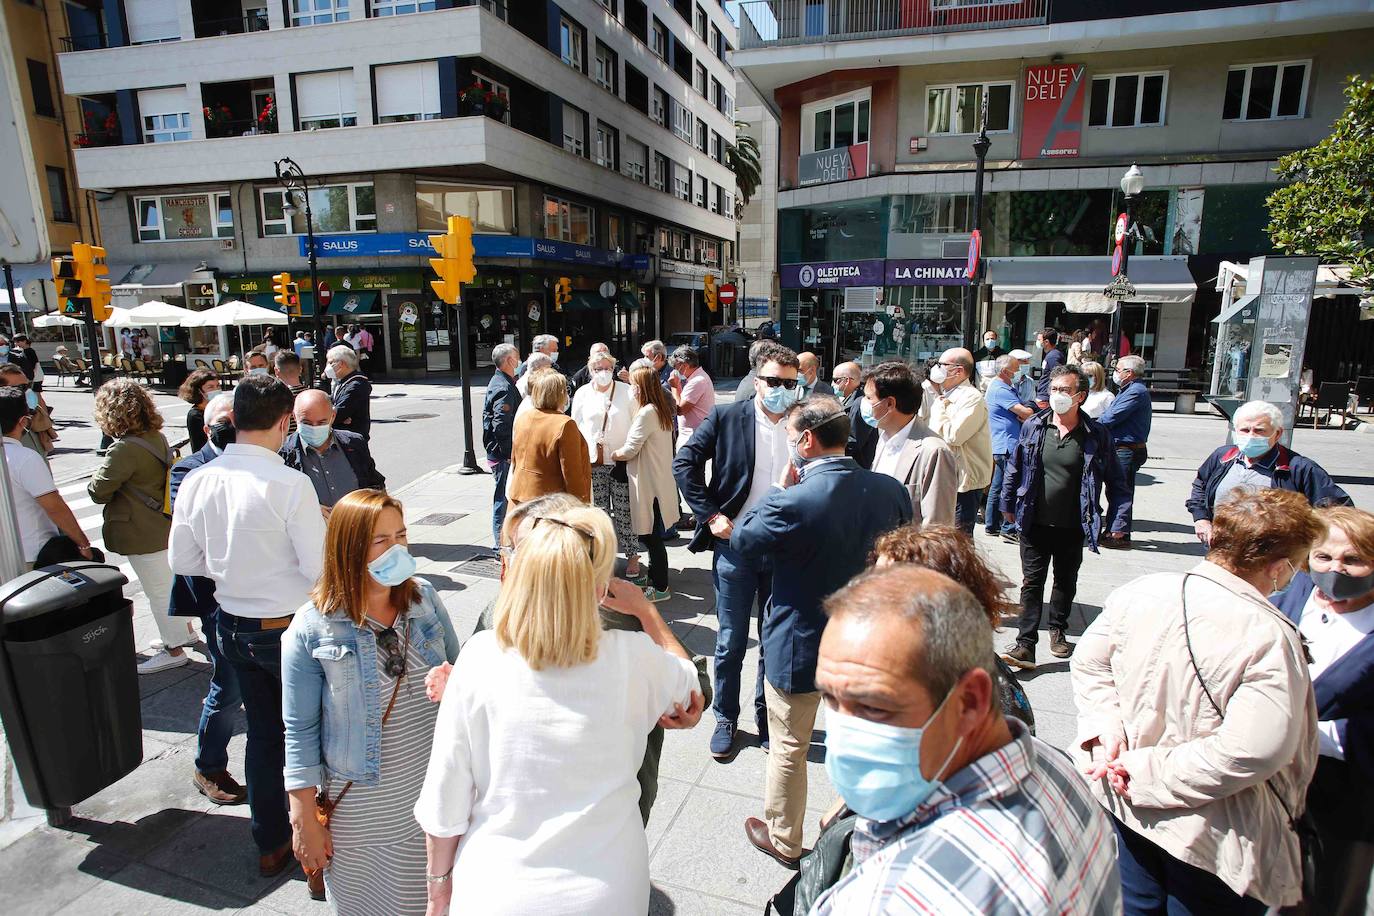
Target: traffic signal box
(455,262)
(84,279)
(711,292)
(285,294)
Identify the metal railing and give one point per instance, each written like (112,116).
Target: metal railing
(768,23)
(234,25)
(92,42)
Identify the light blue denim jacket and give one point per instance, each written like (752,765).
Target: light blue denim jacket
(332,703)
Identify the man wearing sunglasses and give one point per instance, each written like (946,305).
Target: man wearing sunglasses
(745,443)
(960,415)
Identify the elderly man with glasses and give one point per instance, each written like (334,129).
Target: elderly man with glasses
(959,415)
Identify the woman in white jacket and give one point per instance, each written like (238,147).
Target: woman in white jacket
(603,411)
(648,449)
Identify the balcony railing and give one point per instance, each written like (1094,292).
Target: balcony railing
(769,23)
(92,42)
(233,25)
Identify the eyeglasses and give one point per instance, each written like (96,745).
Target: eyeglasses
(844,378)
(394,657)
(773,381)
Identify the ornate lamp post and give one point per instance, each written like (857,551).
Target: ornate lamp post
(1127,234)
(293,179)
(973,292)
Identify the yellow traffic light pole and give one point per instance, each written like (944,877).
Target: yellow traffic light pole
(455,267)
(83,279)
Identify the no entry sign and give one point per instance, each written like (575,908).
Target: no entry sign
(726,294)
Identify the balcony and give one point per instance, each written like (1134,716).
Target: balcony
(770,23)
(240,108)
(210,20)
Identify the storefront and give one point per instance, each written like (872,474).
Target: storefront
(681,292)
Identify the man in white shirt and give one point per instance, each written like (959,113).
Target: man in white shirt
(253,526)
(959,415)
(907,449)
(40,509)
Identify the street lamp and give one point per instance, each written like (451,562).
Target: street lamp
(1127,234)
(971,291)
(293,179)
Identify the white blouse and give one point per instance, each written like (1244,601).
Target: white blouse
(536,771)
(589,408)
(1097,402)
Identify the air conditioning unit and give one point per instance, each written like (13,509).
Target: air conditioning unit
(226,244)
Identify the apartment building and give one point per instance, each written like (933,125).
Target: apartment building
(758,228)
(877,166)
(584,139)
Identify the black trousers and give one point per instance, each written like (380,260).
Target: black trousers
(1043,548)
(657,551)
(1342,806)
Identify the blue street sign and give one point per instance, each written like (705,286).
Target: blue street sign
(416,244)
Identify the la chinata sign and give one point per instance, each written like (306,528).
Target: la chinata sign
(1052,112)
(834,164)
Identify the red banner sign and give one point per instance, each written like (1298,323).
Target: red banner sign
(1052,111)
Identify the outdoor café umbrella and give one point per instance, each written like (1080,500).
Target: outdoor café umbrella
(155,314)
(237,314)
(56,320)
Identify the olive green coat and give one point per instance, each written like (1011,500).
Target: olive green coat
(131,528)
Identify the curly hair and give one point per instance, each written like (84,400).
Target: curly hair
(946,550)
(1252,528)
(124,408)
(191,390)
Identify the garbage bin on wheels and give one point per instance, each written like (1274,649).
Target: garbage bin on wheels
(69,682)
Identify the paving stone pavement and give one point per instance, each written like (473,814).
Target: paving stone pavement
(151,844)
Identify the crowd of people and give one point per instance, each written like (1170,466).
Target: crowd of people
(1220,754)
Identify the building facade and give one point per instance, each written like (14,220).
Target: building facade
(877,166)
(758,228)
(584,140)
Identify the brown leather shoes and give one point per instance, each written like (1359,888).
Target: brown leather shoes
(314,881)
(757,832)
(221,788)
(274,863)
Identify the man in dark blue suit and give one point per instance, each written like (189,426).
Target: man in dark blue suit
(816,527)
(746,445)
(194,596)
(498,428)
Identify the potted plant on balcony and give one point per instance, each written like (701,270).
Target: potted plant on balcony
(497,105)
(474,99)
(267,118)
(217,118)
(98,133)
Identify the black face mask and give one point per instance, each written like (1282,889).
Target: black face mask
(1340,586)
(222,434)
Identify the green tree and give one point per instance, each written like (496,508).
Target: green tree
(1326,204)
(743,159)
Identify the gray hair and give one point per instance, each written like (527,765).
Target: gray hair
(598,348)
(537,360)
(654,348)
(543,340)
(643,363)
(218,407)
(952,629)
(1132,364)
(1004,362)
(1254,410)
(824,417)
(502,352)
(688,355)
(342,354)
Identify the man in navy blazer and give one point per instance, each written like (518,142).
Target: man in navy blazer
(194,596)
(816,527)
(745,444)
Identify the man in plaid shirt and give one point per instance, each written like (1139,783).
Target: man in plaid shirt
(961,810)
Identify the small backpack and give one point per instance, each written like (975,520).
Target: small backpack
(167,459)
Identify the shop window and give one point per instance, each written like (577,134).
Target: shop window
(568,221)
(491,209)
(1128,100)
(615,232)
(185,217)
(836,123)
(319,12)
(1267,92)
(407,92)
(955,109)
(333,208)
(325,100)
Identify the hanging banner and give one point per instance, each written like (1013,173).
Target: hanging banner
(1052,111)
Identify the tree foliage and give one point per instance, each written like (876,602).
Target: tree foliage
(743,159)
(1325,206)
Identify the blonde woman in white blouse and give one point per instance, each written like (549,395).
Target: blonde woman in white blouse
(1099,398)
(530,804)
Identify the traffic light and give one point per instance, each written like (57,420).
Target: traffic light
(65,279)
(454,264)
(93,274)
(281,291)
(709,288)
(293,300)
(562,293)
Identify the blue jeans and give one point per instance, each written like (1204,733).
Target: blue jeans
(966,510)
(222,700)
(500,470)
(993,522)
(1130,460)
(1152,881)
(738,583)
(255,655)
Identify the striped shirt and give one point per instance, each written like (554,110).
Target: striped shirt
(1014,832)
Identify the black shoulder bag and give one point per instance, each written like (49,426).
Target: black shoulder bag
(1309,841)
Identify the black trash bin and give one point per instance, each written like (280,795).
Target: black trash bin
(174,372)
(69,682)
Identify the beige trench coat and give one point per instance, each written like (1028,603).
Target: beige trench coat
(649,452)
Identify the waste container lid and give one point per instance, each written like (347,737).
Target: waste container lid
(56,588)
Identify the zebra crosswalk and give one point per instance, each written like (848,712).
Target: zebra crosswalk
(91,516)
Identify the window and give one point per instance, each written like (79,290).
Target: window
(572,38)
(42,89)
(727,104)
(333,208)
(609,4)
(836,123)
(605,73)
(398,7)
(491,209)
(59,195)
(607,139)
(166,115)
(658,107)
(699,83)
(699,22)
(185,217)
(574,130)
(682,245)
(407,92)
(1265,92)
(714,42)
(325,100)
(717,147)
(150,21)
(702,143)
(955,109)
(1128,100)
(568,222)
(318,12)
(728,202)
(659,179)
(658,39)
(682,121)
(497,88)
(703,191)
(615,232)
(634,160)
(682,182)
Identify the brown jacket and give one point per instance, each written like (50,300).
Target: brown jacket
(131,527)
(548,455)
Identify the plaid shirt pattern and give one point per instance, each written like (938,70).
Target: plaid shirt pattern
(1014,832)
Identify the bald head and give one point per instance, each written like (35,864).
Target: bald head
(958,365)
(845,379)
(313,407)
(808,365)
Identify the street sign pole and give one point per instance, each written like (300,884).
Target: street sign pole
(92,344)
(14,307)
(460,343)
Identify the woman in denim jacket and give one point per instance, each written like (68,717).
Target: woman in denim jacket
(370,634)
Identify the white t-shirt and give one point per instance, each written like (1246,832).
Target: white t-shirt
(1329,636)
(30,479)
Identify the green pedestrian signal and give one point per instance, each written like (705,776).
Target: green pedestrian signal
(70,308)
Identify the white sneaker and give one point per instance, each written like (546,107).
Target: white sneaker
(162,661)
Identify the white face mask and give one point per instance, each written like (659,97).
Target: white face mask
(938,374)
(602,377)
(330,373)
(1061,403)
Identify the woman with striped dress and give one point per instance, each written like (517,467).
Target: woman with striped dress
(358,723)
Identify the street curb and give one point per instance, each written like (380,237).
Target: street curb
(428,476)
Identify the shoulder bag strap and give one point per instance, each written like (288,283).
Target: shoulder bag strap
(395,692)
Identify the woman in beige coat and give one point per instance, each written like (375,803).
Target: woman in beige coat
(648,449)
(1197,727)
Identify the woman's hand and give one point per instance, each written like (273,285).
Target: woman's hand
(311,842)
(627,598)
(684,718)
(1105,750)
(436,679)
(1119,778)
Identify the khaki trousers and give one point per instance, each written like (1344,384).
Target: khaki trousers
(791,721)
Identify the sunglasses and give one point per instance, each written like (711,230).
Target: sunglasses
(773,381)
(393,653)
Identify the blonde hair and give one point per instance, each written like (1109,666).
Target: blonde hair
(1357,524)
(1097,376)
(342,587)
(547,609)
(548,390)
(124,408)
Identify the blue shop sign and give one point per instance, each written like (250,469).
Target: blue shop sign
(416,244)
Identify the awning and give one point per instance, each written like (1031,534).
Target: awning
(629,301)
(1243,302)
(267,301)
(588,302)
(150,276)
(348,304)
(1078,281)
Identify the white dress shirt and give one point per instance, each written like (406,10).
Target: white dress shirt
(889,453)
(770,457)
(1329,636)
(253,526)
(29,480)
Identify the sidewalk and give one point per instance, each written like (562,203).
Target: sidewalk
(151,844)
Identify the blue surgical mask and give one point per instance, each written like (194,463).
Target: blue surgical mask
(31,398)
(866,413)
(1251,446)
(4,351)
(876,767)
(393,567)
(314,436)
(1019,376)
(799,461)
(777,400)
(257,370)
